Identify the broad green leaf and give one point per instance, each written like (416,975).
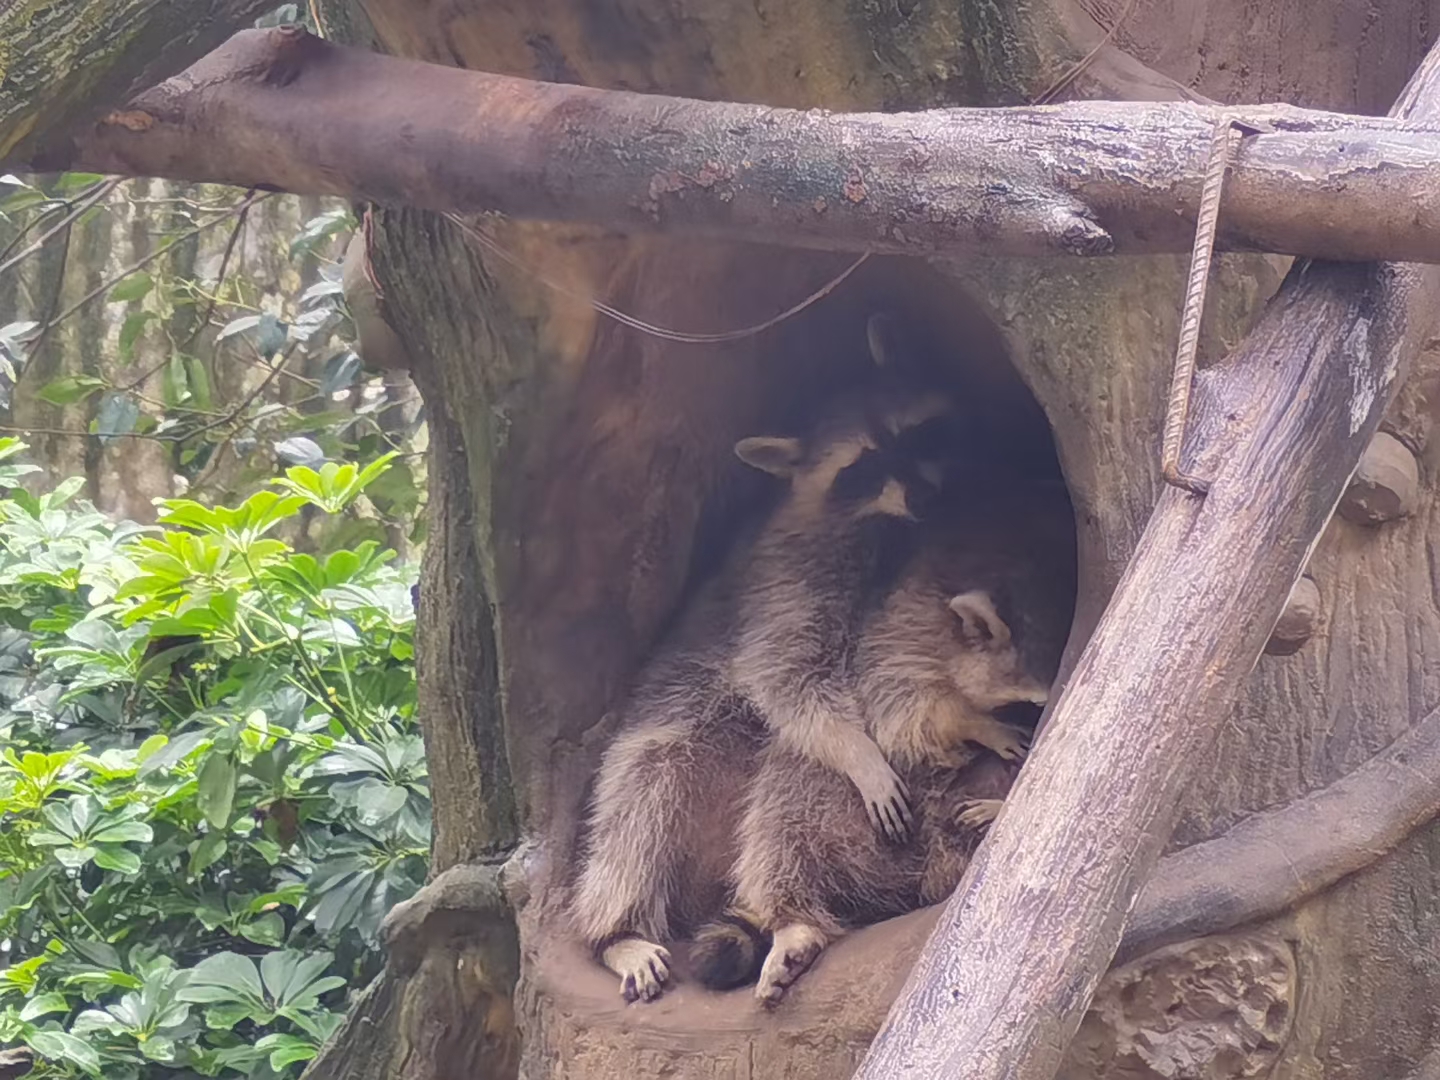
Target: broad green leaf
(268,929)
(150,747)
(119,859)
(123,832)
(159,1048)
(175,751)
(85,810)
(132,288)
(175,381)
(74,181)
(61,1046)
(130,331)
(69,389)
(92,1020)
(286,1049)
(210,850)
(23,200)
(224,977)
(217,778)
(74,858)
(43,1005)
(100,953)
(48,838)
(225,1016)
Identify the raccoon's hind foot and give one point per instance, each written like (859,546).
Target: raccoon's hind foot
(979,813)
(795,948)
(643,967)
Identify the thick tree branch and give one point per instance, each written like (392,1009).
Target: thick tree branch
(281,109)
(1014,961)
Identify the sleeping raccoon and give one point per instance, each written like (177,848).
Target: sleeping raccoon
(660,835)
(935,665)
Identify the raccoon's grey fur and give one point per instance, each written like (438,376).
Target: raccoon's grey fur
(661,830)
(934,666)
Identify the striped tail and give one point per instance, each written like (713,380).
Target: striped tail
(729,952)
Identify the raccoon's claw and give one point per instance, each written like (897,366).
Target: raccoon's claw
(887,802)
(643,967)
(979,813)
(893,818)
(1009,743)
(794,950)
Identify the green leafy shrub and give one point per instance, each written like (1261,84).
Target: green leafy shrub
(211,788)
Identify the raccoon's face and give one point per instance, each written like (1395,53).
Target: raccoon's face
(872,461)
(985,666)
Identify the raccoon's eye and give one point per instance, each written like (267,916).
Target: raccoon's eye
(862,478)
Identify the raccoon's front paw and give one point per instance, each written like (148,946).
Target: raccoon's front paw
(794,949)
(979,813)
(643,967)
(887,802)
(1008,742)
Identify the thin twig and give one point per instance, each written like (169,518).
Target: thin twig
(91,197)
(110,283)
(240,218)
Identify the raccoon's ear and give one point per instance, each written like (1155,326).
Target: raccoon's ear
(778,457)
(979,620)
(875,330)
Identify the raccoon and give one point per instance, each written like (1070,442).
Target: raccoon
(824,562)
(934,667)
(661,829)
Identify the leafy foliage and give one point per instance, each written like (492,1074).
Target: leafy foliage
(235,369)
(211,790)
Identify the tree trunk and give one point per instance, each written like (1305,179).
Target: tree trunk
(63,63)
(590,466)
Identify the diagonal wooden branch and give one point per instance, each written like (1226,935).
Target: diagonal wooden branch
(1013,963)
(281,109)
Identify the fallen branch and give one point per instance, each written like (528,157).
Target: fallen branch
(1014,961)
(280,109)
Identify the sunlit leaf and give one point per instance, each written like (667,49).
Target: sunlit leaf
(69,389)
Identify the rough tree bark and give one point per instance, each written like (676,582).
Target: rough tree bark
(63,63)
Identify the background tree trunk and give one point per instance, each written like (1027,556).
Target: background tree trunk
(589,465)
